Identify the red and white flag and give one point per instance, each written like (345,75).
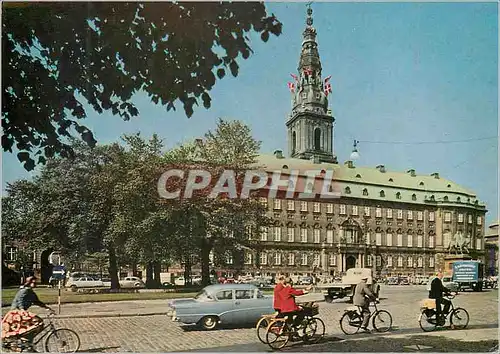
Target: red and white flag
(328,78)
(328,89)
(295,77)
(308,71)
(291,86)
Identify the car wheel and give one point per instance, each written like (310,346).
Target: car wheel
(209,322)
(137,285)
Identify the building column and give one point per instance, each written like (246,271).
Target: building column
(359,263)
(343,262)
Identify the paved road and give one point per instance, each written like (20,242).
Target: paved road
(157,333)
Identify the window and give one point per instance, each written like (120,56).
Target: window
(11,253)
(317,260)
(420,216)
(277,204)
(431,241)
(414,197)
(382,194)
(420,241)
(263,201)
(329,208)
(367,238)
(431,262)
(410,240)
(303,206)
(398,195)
(224,295)
(410,262)
(460,217)
(447,217)
(303,234)
(389,213)
(248,258)
(420,262)
(431,216)
(369,262)
(317,207)
(400,214)
(367,211)
(400,261)
(365,192)
(479,220)
(333,259)
(389,239)
(244,294)
(290,205)
(379,261)
(354,210)
(317,235)
(291,234)
(347,190)
(291,259)
(303,260)
(342,209)
(470,219)
(389,261)
(263,233)
(277,234)
(400,240)
(378,239)
(329,236)
(277,258)
(229,259)
(263,258)
(410,215)
(378,212)
(478,243)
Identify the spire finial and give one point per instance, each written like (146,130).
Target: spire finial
(309,20)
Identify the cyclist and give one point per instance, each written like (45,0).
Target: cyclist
(288,306)
(436,292)
(277,297)
(19,321)
(362,297)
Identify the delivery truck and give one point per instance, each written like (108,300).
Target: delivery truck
(468,275)
(348,284)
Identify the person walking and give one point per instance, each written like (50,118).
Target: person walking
(437,292)
(362,297)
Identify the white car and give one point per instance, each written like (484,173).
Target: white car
(181,281)
(84,282)
(132,282)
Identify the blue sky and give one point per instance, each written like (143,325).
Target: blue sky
(401,72)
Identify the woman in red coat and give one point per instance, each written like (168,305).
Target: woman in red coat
(288,306)
(277,297)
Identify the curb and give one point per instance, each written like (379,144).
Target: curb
(110,315)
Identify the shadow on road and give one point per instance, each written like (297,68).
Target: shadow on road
(100,350)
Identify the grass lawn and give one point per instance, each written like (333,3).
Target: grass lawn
(49,296)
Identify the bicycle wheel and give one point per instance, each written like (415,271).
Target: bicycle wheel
(62,340)
(350,322)
(427,320)
(314,330)
(262,329)
(459,318)
(278,334)
(382,321)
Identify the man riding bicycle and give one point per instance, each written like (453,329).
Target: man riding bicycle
(289,308)
(362,297)
(436,292)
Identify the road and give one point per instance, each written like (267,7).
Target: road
(157,333)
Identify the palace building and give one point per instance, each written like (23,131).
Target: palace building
(398,223)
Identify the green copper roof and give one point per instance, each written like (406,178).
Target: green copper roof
(411,188)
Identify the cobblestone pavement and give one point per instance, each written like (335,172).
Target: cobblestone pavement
(157,333)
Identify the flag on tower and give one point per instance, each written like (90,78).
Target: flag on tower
(328,89)
(328,78)
(291,87)
(295,77)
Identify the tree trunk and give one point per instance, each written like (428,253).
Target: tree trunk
(113,267)
(156,276)
(206,247)
(149,275)
(187,271)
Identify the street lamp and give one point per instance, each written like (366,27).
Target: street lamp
(354,153)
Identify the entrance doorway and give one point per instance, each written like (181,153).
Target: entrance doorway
(350,262)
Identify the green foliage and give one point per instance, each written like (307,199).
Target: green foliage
(59,56)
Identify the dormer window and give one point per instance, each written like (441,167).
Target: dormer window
(458,199)
(449,186)
(445,198)
(358,176)
(391,180)
(414,197)
(398,195)
(285,167)
(347,190)
(432,198)
(382,194)
(365,192)
(421,184)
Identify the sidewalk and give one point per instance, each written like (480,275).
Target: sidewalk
(106,309)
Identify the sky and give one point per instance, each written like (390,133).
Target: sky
(403,75)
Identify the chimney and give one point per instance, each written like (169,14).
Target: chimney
(349,164)
(435,175)
(381,168)
(411,172)
(278,154)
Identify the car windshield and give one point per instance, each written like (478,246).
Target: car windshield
(203,296)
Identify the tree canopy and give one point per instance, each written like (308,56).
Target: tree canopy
(59,56)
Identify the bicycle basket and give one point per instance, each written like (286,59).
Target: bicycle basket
(311,311)
(428,304)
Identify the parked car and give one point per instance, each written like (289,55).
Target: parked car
(305,281)
(260,282)
(447,282)
(392,281)
(404,281)
(233,304)
(132,282)
(83,282)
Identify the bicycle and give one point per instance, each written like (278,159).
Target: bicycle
(55,339)
(352,319)
(459,317)
(262,325)
(280,331)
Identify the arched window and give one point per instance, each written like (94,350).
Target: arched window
(347,190)
(365,191)
(294,142)
(414,197)
(382,194)
(317,139)
(458,199)
(445,198)
(398,195)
